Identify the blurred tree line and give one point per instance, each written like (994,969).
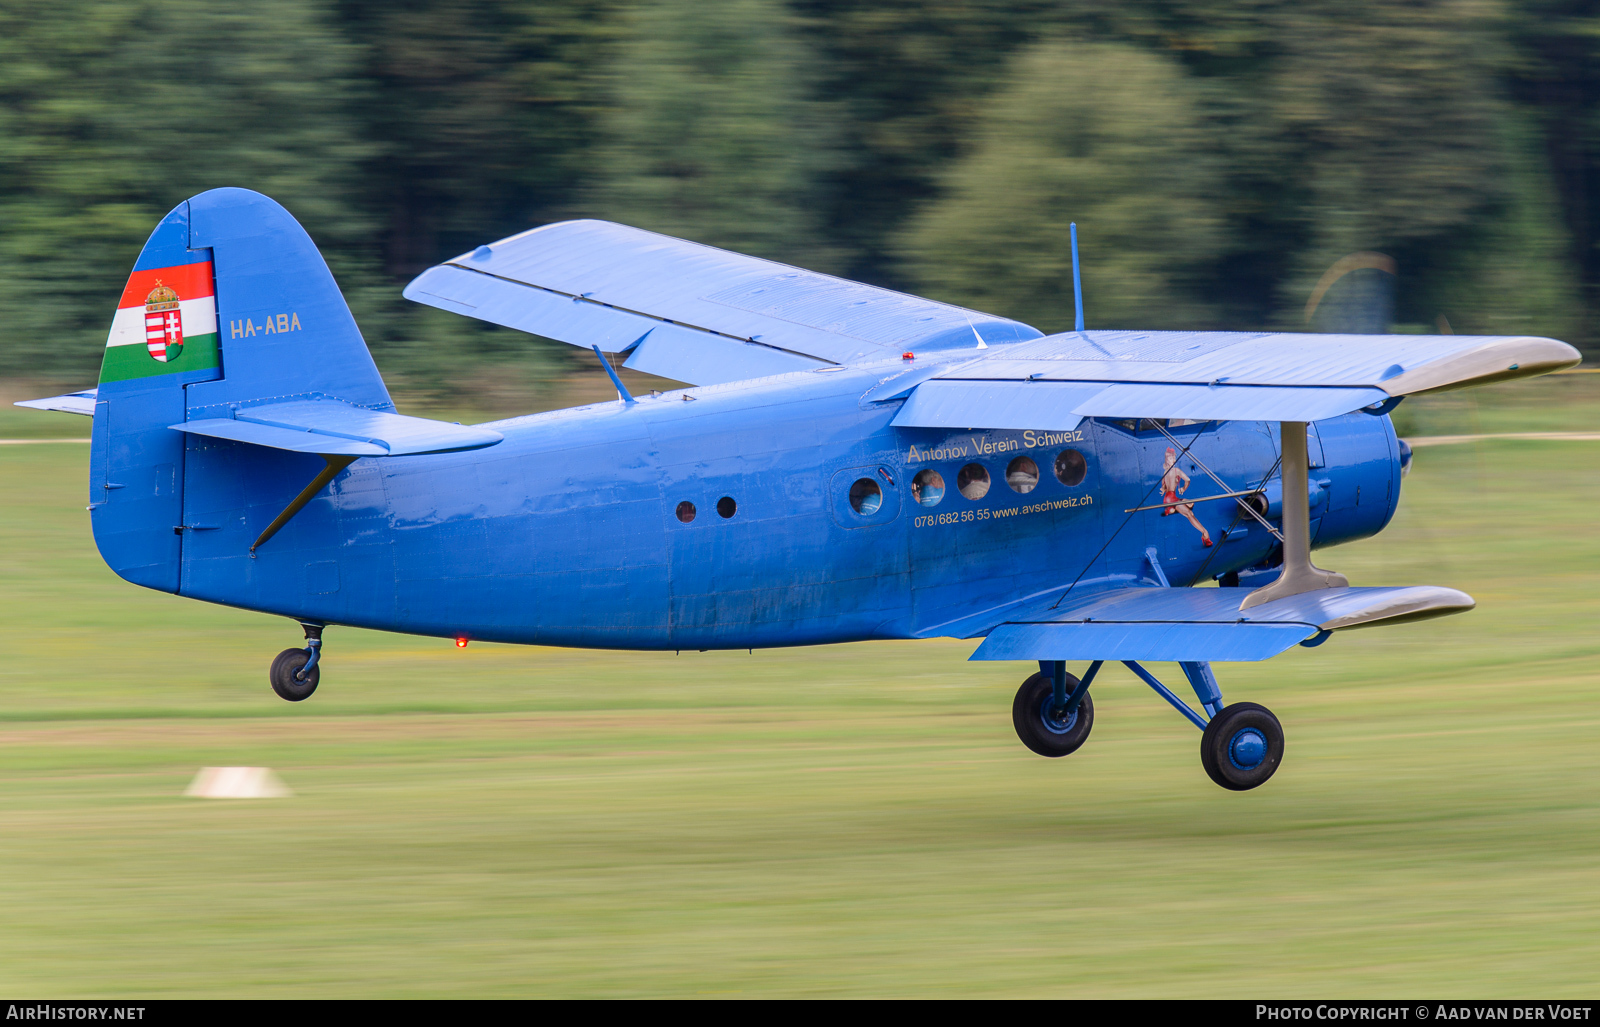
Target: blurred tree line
(1217,156)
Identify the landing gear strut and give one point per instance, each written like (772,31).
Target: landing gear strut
(294,674)
(1052,712)
(1241,745)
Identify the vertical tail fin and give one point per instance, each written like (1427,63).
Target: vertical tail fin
(229,304)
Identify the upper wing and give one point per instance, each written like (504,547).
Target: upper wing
(703,315)
(1269,376)
(691,312)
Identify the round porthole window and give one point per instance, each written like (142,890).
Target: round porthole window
(1022,474)
(726,506)
(1070,467)
(686,511)
(928,487)
(866,498)
(972,481)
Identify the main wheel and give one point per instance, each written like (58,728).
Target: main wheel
(1242,746)
(1042,732)
(282,675)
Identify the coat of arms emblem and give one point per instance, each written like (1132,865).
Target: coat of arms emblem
(163,323)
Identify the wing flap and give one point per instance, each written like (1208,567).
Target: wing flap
(1204,623)
(1047,406)
(1220,643)
(530,309)
(1228,402)
(700,358)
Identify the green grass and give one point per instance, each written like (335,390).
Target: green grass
(847,820)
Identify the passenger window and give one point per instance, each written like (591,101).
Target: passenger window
(865,497)
(1022,474)
(726,506)
(1070,467)
(686,511)
(928,487)
(972,481)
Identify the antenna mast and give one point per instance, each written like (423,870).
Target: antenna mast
(1077,281)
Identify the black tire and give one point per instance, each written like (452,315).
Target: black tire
(284,668)
(1030,714)
(1242,746)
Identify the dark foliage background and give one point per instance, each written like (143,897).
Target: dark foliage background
(1218,157)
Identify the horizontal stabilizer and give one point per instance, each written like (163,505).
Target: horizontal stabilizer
(71,403)
(594,283)
(1204,624)
(1047,406)
(331,428)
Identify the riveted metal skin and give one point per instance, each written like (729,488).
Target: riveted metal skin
(566,533)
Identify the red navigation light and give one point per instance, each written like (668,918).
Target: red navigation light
(908,355)
(461,643)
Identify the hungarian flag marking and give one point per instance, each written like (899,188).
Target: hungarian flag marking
(165,322)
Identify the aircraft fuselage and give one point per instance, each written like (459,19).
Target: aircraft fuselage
(569,531)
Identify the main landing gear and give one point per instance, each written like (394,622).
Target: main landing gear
(294,674)
(1053,713)
(1240,745)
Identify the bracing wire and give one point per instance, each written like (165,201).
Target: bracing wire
(1124,524)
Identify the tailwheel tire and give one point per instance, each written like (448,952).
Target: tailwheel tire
(1040,730)
(1242,746)
(285,667)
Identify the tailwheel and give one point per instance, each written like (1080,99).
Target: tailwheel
(1045,729)
(1242,746)
(290,677)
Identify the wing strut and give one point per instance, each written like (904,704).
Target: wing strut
(330,472)
(1299,573)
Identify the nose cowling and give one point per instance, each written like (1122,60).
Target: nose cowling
(1359,481)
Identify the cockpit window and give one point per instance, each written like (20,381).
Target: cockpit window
(1070,467)
(1022,474)
(865,497)
(972,481)
(928,487)
(1144,424)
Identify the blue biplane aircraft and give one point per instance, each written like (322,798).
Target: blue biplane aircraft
(851,463)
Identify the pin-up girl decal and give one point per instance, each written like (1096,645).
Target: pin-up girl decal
(1174,483)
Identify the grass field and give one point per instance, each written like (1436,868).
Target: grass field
(848,820)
